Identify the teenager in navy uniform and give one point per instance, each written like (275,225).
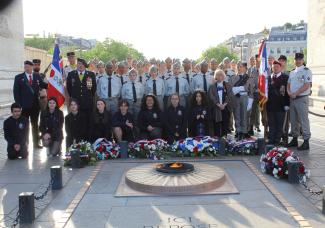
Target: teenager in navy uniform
(26,93)
(123,123)
(219,94)
(198,118)
(150,118)
(156,86)
(75,131)
(277,103)
(176,120)
(51,127)
(299,85)
(16,129)
(203,80)
(100,124)
(81,85)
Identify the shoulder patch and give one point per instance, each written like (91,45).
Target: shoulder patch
(306,68)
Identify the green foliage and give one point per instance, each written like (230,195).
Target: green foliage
(291,60)
(219,53)
(41,43)
(110,49)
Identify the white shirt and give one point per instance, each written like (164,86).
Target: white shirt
(220,92)
(27,76)
(276,75)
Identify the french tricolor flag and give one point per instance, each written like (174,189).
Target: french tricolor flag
(262,76)
(55,85)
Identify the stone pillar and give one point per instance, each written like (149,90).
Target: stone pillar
(315,45)
(11,47)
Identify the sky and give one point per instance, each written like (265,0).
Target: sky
(175,28)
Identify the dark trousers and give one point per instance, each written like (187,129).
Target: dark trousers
(222,128)
(33,114)
(275,122)
(13,154)
(154,134)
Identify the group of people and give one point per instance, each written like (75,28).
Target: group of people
(132,100)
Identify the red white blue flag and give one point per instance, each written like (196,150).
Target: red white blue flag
(55,85)
(262,76)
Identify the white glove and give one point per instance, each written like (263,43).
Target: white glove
(286,108)
(250,104)
(241,89)
(235,90)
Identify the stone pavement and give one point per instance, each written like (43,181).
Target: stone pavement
(88,194)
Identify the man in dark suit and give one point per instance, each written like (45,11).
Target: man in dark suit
(81,85)
(26,93)
(277,104)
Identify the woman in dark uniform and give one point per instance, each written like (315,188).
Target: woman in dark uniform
(123,123)
(198,119)
(100,124)
(51,127)
(150,119)
(75,126)
(177,120)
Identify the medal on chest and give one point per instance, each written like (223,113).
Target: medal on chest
(154,115)
(21,126)
(179,112)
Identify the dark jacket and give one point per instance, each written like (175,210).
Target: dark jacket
(75,128)
(151,117)
(213,94)
(25,94)
(194,123)
(277,94)
(16,130)
(100,126)
(176,121)
(78,89)
(52,123)
(119,120)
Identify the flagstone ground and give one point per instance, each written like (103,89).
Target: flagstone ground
(94,205)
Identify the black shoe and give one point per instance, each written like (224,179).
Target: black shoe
(293,142)
(304,146)
(258,129)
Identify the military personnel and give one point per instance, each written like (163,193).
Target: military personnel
(121,69)
(187,73)
(177,84)
(100,69)
(81,85)
(72,65)
(156,86)
(228,69)
(283,60)
(134,64)
(193,66)
(114,62)
(270,60)
(242,89)
(141,76)
(26,90)
(254,115)
(299,84)
(133,91)
(109,88)
(128,64)
(16,129)
(169,64)
(43,92)
(213,66)
(233,66)
(162,70)
(202,80)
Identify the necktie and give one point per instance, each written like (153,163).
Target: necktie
(154,90)
(122,79)
(109,87)
(30,80)
(134,93)
(140,78)
(177,85)
(188,78)
(81,76)
(205,87)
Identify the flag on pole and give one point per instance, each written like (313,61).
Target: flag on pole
(55,85)
(262,76)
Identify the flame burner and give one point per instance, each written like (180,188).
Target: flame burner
(175,168)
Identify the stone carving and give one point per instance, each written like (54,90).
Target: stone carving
(4,27)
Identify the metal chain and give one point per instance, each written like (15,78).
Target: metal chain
(15,223)
(46,191)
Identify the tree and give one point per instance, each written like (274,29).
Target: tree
(41,43)
(110,49)
(219,53)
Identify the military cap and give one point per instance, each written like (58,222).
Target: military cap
(282,57)
(100,64)
(186,60)
(27,62)
(203,62)
(225,59)
(36,61)
(70,53)
(276,62)
(299,55)
(82,61)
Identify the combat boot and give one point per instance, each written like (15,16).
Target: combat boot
(304,146)
(293,142)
